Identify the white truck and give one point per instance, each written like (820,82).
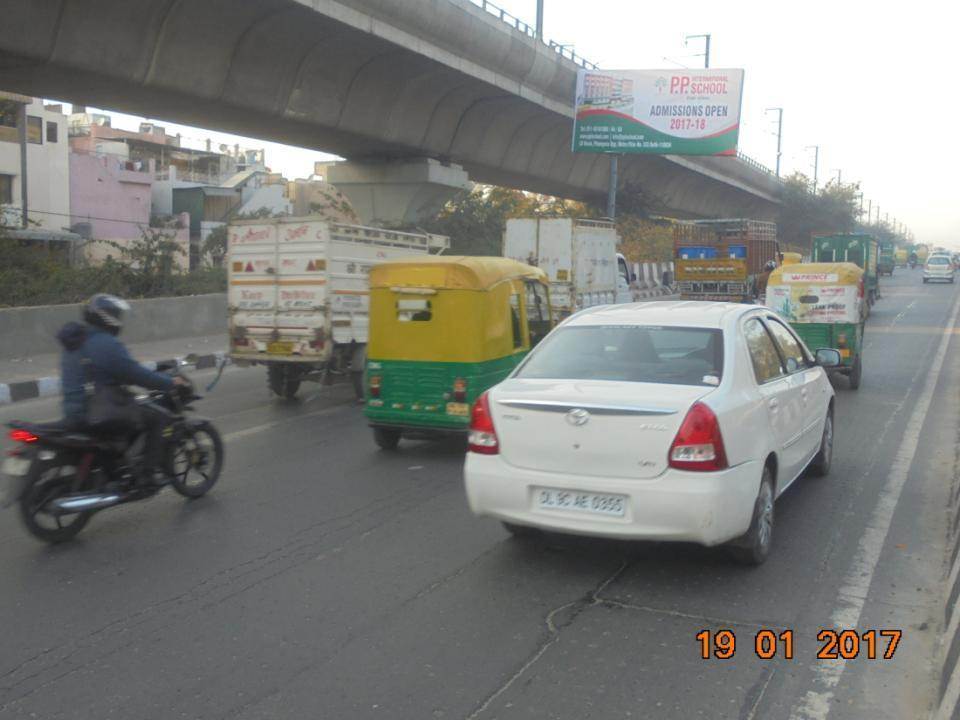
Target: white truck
(579,256)
(298,295)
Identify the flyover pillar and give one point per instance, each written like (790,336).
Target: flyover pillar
(397,191)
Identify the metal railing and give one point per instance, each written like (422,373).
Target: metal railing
(530,31)
(756,165)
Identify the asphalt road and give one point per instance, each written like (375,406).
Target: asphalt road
(326,579)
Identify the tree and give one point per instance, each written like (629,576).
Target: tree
(804,213)
(474,221)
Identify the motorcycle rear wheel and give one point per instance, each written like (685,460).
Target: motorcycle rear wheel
(197,460)
(44,485)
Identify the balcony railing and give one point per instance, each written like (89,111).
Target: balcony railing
(527,29)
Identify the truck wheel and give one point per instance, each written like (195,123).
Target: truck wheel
(855,373)
(282,381)
(386,438)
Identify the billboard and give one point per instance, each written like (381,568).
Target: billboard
(658,112)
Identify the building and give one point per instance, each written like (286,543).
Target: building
(47,196)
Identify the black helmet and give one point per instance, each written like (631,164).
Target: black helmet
(106,312)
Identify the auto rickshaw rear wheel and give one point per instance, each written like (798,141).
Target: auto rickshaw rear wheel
(386,438)
(855,372)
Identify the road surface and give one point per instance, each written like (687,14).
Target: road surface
(326,579)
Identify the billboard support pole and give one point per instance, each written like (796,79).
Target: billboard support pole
(612,188)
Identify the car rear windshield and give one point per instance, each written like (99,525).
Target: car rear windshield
(629,353)
(938,261)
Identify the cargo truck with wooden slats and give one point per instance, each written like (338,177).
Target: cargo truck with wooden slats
(298,295)
(727,259)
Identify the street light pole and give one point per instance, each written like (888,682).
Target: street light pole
(706,52)
(779,111)
(612,188)
(816,164)
(540,20)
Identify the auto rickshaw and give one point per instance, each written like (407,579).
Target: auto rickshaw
(859,248)
(444,329)
(790,258)
(826,306)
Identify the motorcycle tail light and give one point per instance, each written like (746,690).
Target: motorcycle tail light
(23,436)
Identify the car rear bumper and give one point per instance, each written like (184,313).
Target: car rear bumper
(705,508)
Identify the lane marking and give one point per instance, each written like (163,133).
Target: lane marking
(853,592)
(257,429)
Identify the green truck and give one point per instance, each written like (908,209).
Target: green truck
(887,261)
(859,248)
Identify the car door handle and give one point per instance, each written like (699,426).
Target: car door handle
(774,404)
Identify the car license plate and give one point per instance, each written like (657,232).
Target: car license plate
(576,501)
(458,409)
(280,348)
(16,467)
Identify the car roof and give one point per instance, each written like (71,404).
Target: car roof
(680,313)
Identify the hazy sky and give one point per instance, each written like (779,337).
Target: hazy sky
(869,82)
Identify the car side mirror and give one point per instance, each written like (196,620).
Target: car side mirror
(828,358)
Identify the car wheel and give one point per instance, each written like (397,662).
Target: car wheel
(522,532)
(386,438)
(824,458)
(754,546)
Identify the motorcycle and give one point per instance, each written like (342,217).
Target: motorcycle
(60,477)
(912,264)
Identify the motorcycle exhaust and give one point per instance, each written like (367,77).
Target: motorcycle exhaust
(85,503)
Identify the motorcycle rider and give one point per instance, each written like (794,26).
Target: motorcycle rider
(93,353)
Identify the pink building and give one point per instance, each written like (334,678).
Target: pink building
(114,200)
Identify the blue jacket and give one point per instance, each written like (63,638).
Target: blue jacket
(94,355)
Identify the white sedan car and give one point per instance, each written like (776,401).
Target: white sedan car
(658,421)
(938,267)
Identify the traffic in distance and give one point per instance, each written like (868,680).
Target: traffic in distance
(582,411)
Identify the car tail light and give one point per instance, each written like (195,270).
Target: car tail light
(860,288)
(698,444)
(483,436)
(23,436)
(460,390)
(375,381)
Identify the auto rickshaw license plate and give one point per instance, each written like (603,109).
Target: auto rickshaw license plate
(280,348)
(458,409)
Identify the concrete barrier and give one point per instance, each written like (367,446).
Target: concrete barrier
(29,331)
(948,705)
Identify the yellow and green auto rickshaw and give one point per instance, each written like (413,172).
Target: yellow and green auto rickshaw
(825,305)
(443,330)
(790,258)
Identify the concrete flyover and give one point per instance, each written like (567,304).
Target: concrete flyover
(375,81)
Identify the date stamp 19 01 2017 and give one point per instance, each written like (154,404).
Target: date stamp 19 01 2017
(833,644)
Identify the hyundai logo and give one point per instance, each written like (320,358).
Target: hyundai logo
(578,417)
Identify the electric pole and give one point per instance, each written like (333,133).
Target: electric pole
(706,52)
(779,111)
(869,211)
(816,164)
(540,20)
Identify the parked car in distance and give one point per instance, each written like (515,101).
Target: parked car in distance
(657,421)
(938,267)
